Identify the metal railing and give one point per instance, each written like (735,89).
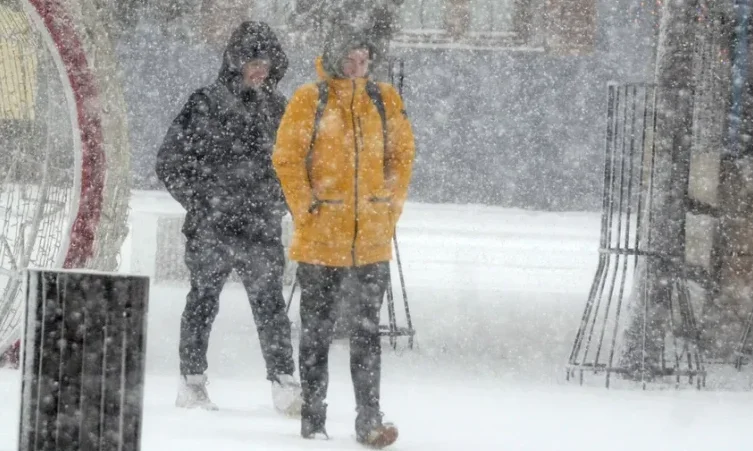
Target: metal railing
(632,334)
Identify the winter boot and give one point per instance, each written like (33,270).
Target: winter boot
(370,430)
(193,393)
(312,422)
(286,395)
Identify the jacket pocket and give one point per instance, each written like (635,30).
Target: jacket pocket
(325,221)
(317,204)
(375,223)
(380,199)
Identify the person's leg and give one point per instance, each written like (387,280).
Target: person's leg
(366,353)
(209,267)
(319,284)
(261,270)
(343,304)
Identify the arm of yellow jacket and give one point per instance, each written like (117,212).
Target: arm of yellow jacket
(292,146)
(400,150)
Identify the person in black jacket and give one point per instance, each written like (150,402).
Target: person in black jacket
(216,161)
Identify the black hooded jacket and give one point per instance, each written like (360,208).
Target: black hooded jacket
(216,156)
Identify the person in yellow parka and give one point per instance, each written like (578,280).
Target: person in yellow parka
(344,155)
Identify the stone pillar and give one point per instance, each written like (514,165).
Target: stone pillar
(664,240)
(727,308)
(674,129)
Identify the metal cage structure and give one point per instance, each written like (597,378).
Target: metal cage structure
(685,229)
(615,323)
(64,169)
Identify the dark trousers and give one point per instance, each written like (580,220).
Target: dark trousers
(319,290)
(260,267)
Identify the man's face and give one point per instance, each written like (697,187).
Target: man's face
(356,63)
(255,72)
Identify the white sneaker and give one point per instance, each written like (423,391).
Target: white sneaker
(286,395)
(193,393)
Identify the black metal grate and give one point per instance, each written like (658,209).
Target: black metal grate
(616,328)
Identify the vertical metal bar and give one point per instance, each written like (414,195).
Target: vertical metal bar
(589,307)
(70,389)
(408,320)
(113,390)
(649,207)
(292,292)
(401,77)
(51,374)
(686,324)
(612,176)
(672,329)
(492,16)
(687,352)
(696,334)
(631,157)
(421,17)
(602,238)
(643,337)
(644,145)
(135,345)
(691,331)
(619,256)
(744,341)
(608,227)
(391,313)
(621,293)
(591,296)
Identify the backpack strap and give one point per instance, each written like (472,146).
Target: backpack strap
(320,105)
(375,94)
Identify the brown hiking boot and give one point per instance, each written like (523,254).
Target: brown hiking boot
(379,437)
(370,430)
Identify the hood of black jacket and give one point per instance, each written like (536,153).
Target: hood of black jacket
(252,40)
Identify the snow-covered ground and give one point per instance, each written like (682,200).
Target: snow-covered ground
(495,296)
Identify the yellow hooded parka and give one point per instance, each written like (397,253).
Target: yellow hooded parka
(346,194)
